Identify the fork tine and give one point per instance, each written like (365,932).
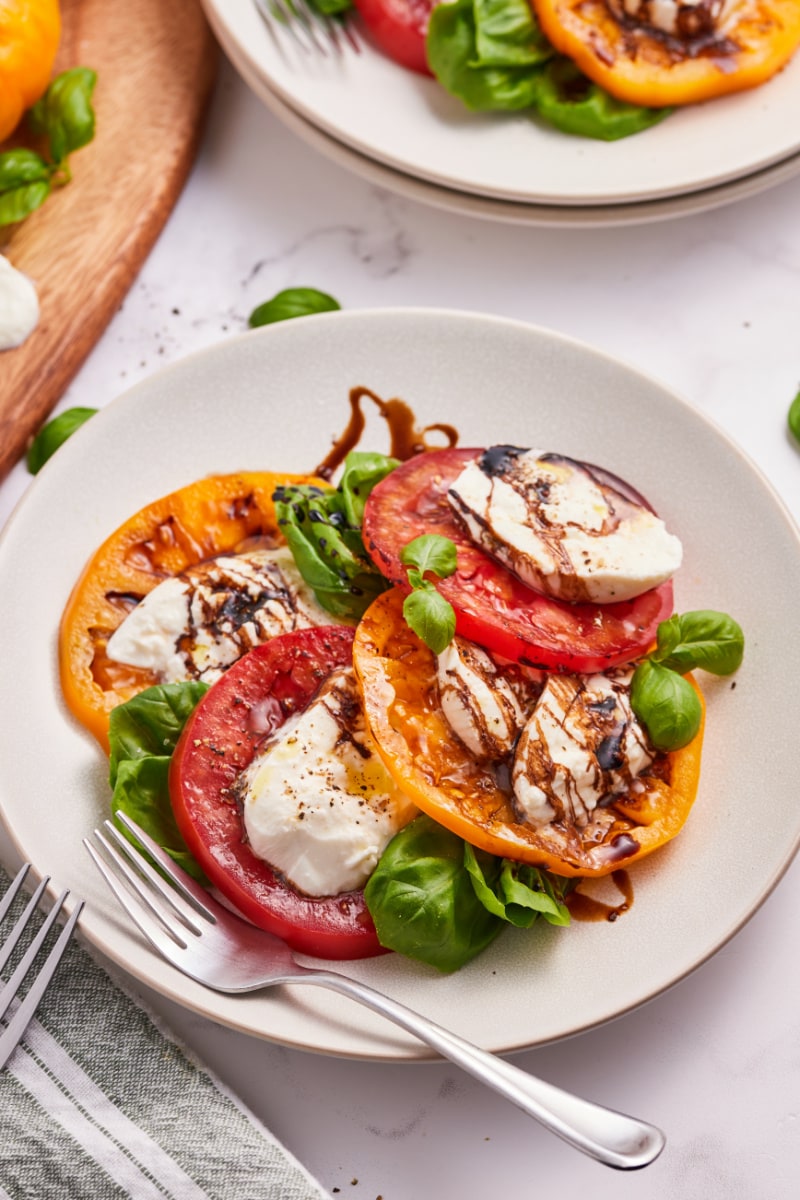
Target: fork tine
(190,888)
(24,965)
(150,881)
(13,889)
(12,1035)
(10,943)
(141,905)
(321,33)
(279,12)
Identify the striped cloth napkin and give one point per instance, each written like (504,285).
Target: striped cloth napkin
(98,1102)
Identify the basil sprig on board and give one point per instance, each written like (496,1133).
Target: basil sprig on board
(142,735)
(54,434)
(436,899)
(323,529)
(666,703)
(426,611)
(64,118)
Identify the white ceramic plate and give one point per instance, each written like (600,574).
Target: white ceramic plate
(274,399)
(408,122)
(561,216)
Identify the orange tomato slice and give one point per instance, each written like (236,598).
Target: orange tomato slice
(642,66)
(29,35)
(397,673)
(213,516)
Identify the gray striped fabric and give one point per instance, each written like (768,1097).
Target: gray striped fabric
(97,1102)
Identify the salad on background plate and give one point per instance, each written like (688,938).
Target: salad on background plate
(518,119)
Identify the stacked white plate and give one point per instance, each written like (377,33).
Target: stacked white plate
(404,132)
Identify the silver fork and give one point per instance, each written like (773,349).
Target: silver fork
(224,952)
(311,30)
(18,1023)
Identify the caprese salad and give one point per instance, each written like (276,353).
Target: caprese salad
(597,68)
(405,711)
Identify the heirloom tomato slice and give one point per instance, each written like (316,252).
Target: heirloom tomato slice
(397,673)
(399,28)
(635,62)
(251,700)
(493,607)
(213,516)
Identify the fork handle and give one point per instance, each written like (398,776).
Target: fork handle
(604,1134)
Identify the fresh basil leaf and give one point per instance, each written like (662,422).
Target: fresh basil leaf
(793,417)
(516,892)
(453,57)
(363,469)
(151,722)
(54,434)
(430,552)
(65,114)
(666,704)
(326,545)
(507,34)
(293,302)
(710,640)
(21,166)
(20,202)
(142,793)
(331,8)
(422,900)
(430,616)
(143,733)
(570,102)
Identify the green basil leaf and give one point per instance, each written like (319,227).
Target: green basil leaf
(151,722)
(20,202)
(666,704)
(572,103)
(422,900)
(430,552)
(142,736)
(331,8)
(65,114)
(142,793)
(453,57)
(54,434)
(327,548)
(516,892)
(21,166)
(293,302)
(430,616)
(507,34)
(363,469)
(793,417)
(710,640)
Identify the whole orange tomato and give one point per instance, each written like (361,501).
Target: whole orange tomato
(29,36)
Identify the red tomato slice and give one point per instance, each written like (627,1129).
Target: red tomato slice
(253,698)
(399,28)
(493,607)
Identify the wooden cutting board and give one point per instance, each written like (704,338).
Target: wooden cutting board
(156,63)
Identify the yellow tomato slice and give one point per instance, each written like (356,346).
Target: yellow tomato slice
(29,35)
(640,65)
(213,516)
(397,673)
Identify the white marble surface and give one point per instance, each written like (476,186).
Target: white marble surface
(711,306)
